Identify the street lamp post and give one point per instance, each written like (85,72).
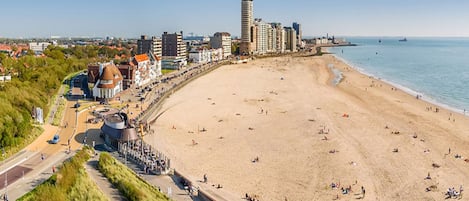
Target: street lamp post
(76,118)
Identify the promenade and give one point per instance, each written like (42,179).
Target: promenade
(24,171)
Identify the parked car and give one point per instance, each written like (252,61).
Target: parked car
(55,139)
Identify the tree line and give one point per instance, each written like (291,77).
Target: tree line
(35,80)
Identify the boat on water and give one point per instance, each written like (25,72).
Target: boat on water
(403,40)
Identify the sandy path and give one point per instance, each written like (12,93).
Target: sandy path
(274,108)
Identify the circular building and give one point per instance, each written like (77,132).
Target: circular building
(116,128)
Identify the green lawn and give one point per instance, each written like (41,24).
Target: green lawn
(166,71)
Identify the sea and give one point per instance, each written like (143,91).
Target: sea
(435,68)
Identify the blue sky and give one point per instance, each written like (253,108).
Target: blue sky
(131,18)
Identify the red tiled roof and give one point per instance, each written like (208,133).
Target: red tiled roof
(141,57)
(110,72)
(5,47)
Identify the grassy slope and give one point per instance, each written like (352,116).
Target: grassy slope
(71,182)
(126,181)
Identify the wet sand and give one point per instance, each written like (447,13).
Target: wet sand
(276,109)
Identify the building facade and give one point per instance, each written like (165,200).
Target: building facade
(146,69)
(262,29)
(206,55)
(174,51)
(39,47)
(271,39)
(222,40)
(109,82)
(153,45)
(246,26)
(117,128)
(299,35)
(290,39)
(138,71)
(173,45)
(279,37)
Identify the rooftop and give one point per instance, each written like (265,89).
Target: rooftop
(141,57)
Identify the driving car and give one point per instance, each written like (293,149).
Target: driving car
(55,139)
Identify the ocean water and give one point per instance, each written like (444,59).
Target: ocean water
(436,68)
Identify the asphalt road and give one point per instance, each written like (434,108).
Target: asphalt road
(13,175)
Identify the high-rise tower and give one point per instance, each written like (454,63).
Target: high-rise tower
(246,24)
(299,36)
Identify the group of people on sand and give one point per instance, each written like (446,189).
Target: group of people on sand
(255,160)
(251,197)
(346,190)
(430,108)
(452,193)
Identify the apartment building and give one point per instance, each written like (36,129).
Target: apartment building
(222,40)
(153,45)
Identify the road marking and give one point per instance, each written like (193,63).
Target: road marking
(16,164)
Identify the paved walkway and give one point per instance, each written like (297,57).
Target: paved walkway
(56,104)
(101,181)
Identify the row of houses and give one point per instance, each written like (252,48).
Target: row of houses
(172,48)
(109,79)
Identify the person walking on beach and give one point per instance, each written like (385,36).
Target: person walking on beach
(363,192)
(205,178)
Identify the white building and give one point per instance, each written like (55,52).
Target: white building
(206,55)
(262,36)
(39,46)
(222,40)
(279,37)
(271,39)
(109,83)
(147,68)
(5,78)
(290,39)
(324,41)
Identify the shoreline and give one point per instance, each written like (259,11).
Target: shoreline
(407,90)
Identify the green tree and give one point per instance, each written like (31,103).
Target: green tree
(3,56)
(30,52)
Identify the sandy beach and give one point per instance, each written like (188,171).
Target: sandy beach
(308,133)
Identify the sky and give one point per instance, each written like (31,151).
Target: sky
(132,18)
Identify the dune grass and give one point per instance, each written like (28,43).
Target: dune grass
(71,182)
(128,183)
(9,151)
